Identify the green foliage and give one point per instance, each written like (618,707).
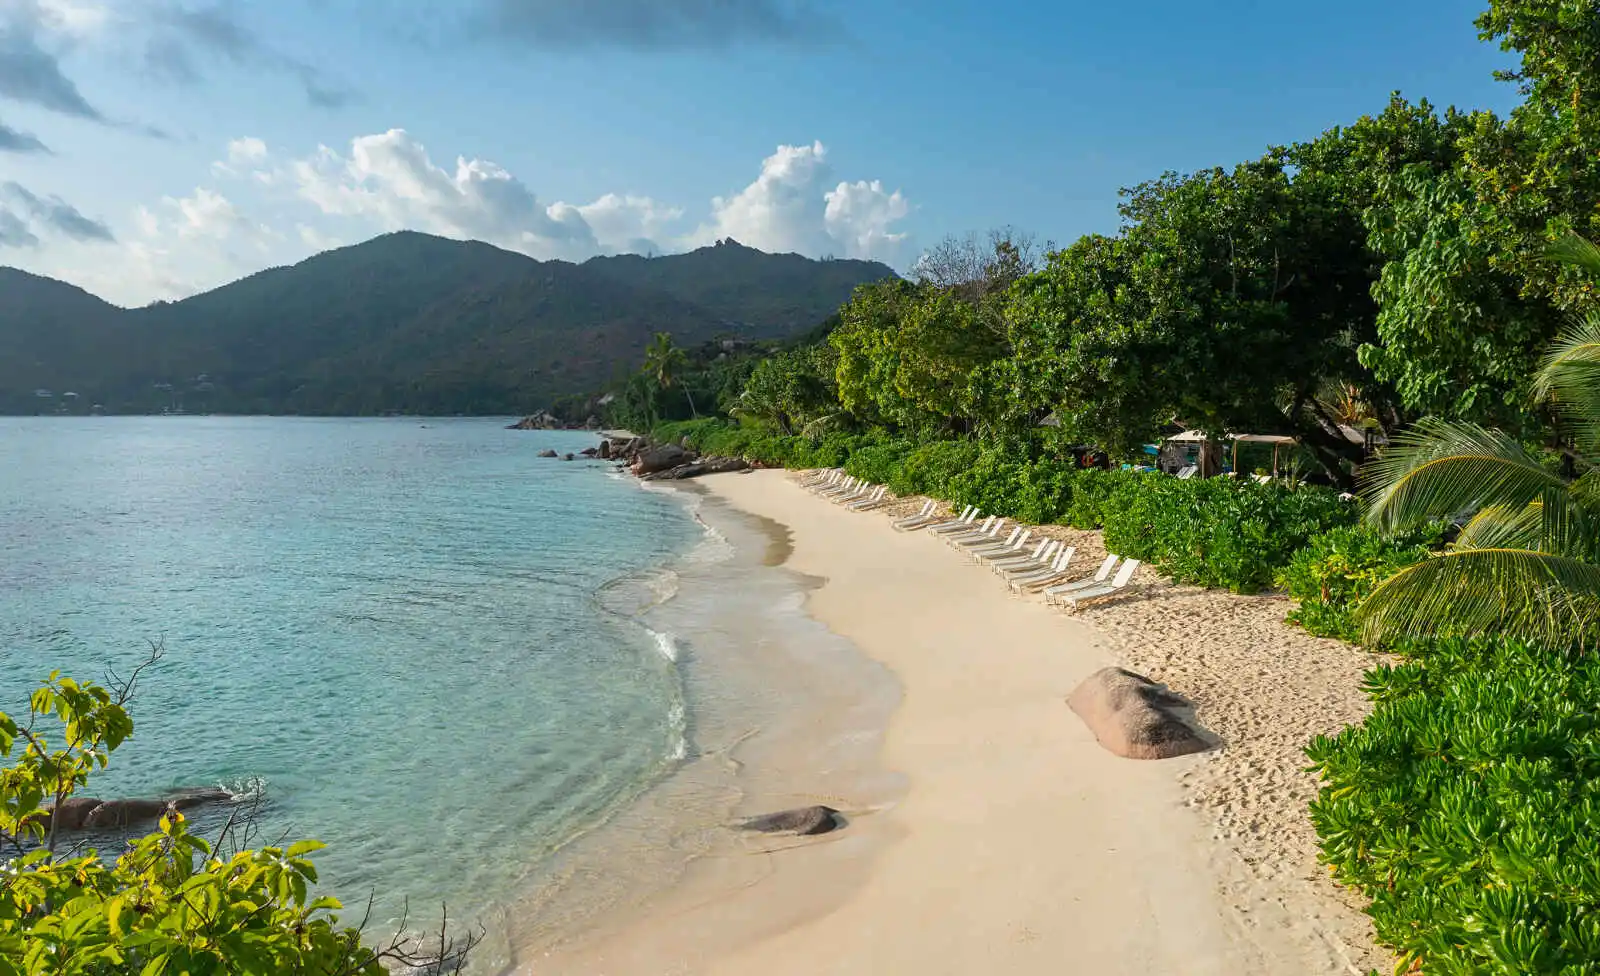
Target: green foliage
(169,903)
(1527,564)
(1467,807)
(1218,532)
(930,468)
(1338,569)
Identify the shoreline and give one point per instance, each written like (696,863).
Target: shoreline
(1019,843)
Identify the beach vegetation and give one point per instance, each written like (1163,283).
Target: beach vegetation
(169,902)
(1335,571)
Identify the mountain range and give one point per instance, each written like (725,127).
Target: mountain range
(403,323)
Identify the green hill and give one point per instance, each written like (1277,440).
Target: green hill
(405,322)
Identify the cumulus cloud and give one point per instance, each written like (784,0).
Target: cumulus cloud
(390,179)
(793,206)
(655,24)
(57,216)
(17,141)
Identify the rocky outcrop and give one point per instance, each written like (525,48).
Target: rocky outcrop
(805,821)
(537,421)
(704,466)
(662,458)
(1134,717)
(90,813)
(547,453)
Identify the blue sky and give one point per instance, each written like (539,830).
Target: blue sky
(190,143)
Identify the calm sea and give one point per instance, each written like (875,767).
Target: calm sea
(397,627)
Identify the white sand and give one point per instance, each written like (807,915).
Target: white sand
(1021,846)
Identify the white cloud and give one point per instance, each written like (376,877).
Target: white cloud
(390,179)
(276,209)
(790,208)
(206,213)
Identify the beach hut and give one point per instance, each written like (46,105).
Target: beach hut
(1190,447)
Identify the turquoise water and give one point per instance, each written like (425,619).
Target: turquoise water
(395,625)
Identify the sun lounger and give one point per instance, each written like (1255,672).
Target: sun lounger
(919,520)
(1012,547)
(860,490)
(1043,549)
(1041,558)
(1078,598)
(1053,593)
(964,524)
(1188,472)
(982,539)
(821,477)
(844,486)
(1056,572)
(983,535)
(875,497)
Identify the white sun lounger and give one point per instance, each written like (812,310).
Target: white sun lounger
(1077,598)
(1012,547)
(983,535)
(1043,549)
(844,486)
(874,497)
(1052,593)
(1042,578)
(982,539)
(917,521)
(1188,472)
(957,526)
(1041,556)
(821,477)
(861,490)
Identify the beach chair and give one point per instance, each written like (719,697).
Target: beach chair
(1078,598)
(1053,593)
(882,501)
(873,497)
(848,488)
(1043,549)
(1012,547)
(985,534)
(1039,579)
(1188,472)
(917,521)
(821,477)
(983,539)
(963,524)
(1040,559)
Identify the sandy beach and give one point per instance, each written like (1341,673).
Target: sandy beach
(1019,845)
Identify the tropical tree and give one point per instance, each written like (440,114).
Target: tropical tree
(1527,561)
(664,362)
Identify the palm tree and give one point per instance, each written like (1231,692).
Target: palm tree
(662,361)
(1527,561)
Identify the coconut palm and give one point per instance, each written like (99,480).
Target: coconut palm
(663,361)
(1527,561)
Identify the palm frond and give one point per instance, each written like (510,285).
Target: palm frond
(1577,251)
(1440,469)
(1507,592)
(1570,378)
(1504,527)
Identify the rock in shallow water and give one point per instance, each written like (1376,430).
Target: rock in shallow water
(1134,717)
(804,821)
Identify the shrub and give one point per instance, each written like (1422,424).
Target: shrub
(1217,532)
(929,469)
(878,463)
(1336,570)
(1092,489)
(1467,807)
(169,903)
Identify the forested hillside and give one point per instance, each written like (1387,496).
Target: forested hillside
(405,322)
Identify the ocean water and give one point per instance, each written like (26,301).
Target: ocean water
(402,630)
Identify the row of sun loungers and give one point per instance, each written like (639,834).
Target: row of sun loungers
(1027,565)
